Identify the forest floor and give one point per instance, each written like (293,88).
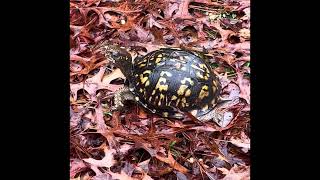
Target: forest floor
(135,144)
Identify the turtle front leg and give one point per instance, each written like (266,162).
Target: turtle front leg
(120,97)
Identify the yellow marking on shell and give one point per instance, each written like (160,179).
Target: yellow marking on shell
(136,75)
(143,61)
(162,87)
(161,98)
(183,102)
(147,83)
(181,89)
(150,98)
(165,114)
(205,107)
(158,59)
(199,75)
(187,104)
(181,58)
(177,102)
(205,87)
(159,56)
(142,65)
(147,72)
(153,92)
(136,98)
(165,73)
(194,112)
(196,67)
(204,92)
(173,98)
(203,66)
(187,79)
(143,80)
(188,93)
(141,90)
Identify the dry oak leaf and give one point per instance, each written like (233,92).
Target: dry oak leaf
(91,85)
(76,166)
(121,176)
(182,10)
(107,161)
(243,142)
(236,172)
(244,85)
(172,162)
(244,33)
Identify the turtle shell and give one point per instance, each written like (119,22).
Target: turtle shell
(169,82)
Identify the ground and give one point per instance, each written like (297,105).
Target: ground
(134,144)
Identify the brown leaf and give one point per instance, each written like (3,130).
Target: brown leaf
(214,148)
(172,162)
(104,176)
(244,85)
(101,126)
(91,85)
(245,33)
(76,166)
(121,176)
(243,142)
(237,172)
(143,35)
(205,128)
(107,161)
(106,79)
(183,10)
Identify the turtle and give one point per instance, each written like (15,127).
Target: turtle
(168,82)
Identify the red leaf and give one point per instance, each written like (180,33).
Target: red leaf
(172,162)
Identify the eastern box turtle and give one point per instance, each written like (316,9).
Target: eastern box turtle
(168,82)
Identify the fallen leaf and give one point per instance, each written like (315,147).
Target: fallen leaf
(244,85)
(172,162)
(243,142)
(76,166)
(121,176)
(107,78)
(107,161)
(237,172)
(245,33)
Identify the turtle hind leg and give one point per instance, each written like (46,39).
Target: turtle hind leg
(121,97)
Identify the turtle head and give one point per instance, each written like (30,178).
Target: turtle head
(119,56)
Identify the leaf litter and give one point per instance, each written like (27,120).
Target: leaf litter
(135,144)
